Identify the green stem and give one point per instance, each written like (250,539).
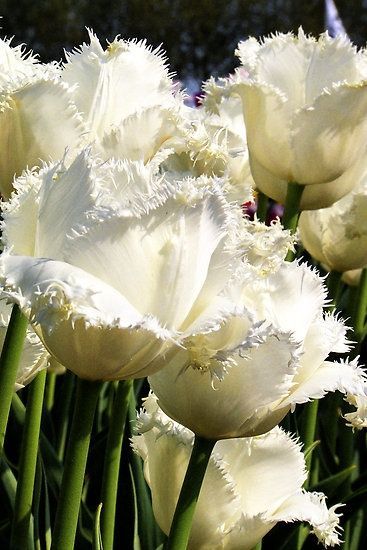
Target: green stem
(66,390)
(27,463)
(111,466)
(335,286)
(359,311)
(9,361)
(182,519)
(262,206)
(75,463)
(50,390)
(292,211)
(309,430)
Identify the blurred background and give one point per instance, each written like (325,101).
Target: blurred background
(198,36)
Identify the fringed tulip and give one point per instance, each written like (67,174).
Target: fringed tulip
(112,264)
(243,377)
(249,486)
(337,236)
(305,106)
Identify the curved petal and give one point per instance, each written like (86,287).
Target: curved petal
(329,137)
(28,129)
(344,377)
(358,418)
(292,299)
(138,73)
(235,405)
(253,463)
(267,120)
(142,134)
(318,195)
(311,507)
(88,326)
(167,252)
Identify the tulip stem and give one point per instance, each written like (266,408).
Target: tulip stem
(67,392)
(9,361)
(111,467)
(292,210)
(262,206)
(76,458)
(309,430)
(182,519)
(360,307)
(27,463)
(335,287)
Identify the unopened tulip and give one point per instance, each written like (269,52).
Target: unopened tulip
(337,236)
(305,106)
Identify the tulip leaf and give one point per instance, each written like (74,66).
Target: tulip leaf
(36,503)
(330,485)
(97,537)
(354,501)
(8,482)
(136,540)
(310,449)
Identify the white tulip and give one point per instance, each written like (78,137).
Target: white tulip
(242,378)
(250,484)
(126,96)
(112,264)
(337,236)
(305,105)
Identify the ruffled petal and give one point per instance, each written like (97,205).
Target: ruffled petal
(168,247)
(241,401)
(293,299)
(138,73)
(346,377)
(311,507)
(142,134)
(88,326)
(358,418)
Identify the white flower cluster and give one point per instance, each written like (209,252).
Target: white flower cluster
(126,248)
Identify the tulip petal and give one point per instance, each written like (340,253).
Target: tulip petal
(265,107)
(311,507)
(88,326)
(358,418)
(252,462)
(218,409)
(28,127)
(167,254)
(315,196)
(141,135)
(346,377)
(138,73)
(293,298)
(333,128)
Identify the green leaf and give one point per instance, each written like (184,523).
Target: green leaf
(330,485)
(97,537)
(310,449)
